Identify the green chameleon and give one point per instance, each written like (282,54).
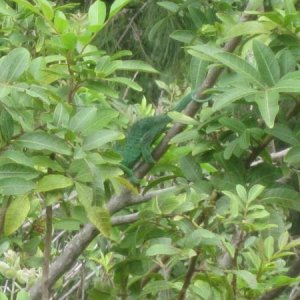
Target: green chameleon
(142,135)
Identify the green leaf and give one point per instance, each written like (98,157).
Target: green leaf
(15,170)
(53,182)
(294,243)
(85,194)
(103,118)
(44,141)
(230,96)
(3,296)
(254,192)
(247,277)
(60,115)
(117,6)
(136,65)
(283,133)
(283,197)
(258,214)
(23,295)
(293,156)
(182,118)
(26,4)
(17,157)
(184,36)
(46,9)
(205,52)
(155,287)
(15,216)
(96,15)
(162,249)
(231,147)
(101,138)
(291,75)
(106,66)
(267,63)
(83,118)
(268,106)
(249,28)
(244,140)
(240,66)
(190,168)
(170,6)
(100,217)
(6,125)
(287,61)
(287,86)
(60,22)
(201,237)
(233,124)
(269,247)
(283,240)
(15,186)
(242,193)
(198,70)
(14,64)
(234,203)
(68,40)
(128,82)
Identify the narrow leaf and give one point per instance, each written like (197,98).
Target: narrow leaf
(269,247)
(100,217)
(250,27)
(230,96)
(6,125)
(268,106)
(85,194)
(15,186)
(101,138)
(137,65)
(240,66)
(15,170)
(254,192)
(293,156)
(130,83)
(248,278)
(117,6)
(96,15)
(162,249)
(287,86)
(15,216)
(14,64)
(83,118)
(44,141)
(283,133)
(198,70)
(53,182)
(267,63)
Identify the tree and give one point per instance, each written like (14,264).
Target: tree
(212,217)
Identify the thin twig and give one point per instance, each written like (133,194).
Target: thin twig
(47,253)
(188,277)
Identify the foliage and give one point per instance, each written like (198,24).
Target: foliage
(217,222)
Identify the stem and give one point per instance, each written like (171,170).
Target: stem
(12,289)
(47,253)
(188,277)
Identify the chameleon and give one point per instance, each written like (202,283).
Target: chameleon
(143,133)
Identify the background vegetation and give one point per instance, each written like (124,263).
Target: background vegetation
(217,215)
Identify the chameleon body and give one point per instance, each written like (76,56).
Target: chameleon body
(143,133)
